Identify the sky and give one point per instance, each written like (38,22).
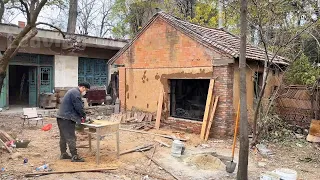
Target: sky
(57,17)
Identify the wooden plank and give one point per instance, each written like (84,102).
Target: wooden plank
(161,135)
(165,169)
(4,144)
(5,136)
(149,119)
(72,171)
(211,117)
(162,143)
(159,111)
(141,117)
(207,109)
(138,148)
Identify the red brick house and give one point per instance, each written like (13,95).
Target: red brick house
(181,58)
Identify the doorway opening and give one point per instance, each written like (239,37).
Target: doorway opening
(188,98)
(19,85)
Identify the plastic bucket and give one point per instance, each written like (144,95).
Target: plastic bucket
(286,174)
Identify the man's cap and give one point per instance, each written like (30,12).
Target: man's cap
(84,84)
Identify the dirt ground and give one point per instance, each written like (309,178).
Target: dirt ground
(198,162)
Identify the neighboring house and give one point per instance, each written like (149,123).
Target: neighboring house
(181,57)
(49,62)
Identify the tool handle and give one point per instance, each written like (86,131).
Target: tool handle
(235,131)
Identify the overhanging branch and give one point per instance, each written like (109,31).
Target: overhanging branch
(50,25)
(26,10)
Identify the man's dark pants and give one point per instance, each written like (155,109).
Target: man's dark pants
(67,136)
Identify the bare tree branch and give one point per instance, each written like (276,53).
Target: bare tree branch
(50,25)
(37,11)
(26,9)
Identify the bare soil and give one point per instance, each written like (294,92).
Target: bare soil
(195,164)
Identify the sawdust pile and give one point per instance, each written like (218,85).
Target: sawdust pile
(206,162)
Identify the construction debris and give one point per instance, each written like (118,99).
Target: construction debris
(263,150)
(138,149)
(72,171)
(7,148)
(5,137)
(163,143)
(157,163)
(145,173)
(161,135)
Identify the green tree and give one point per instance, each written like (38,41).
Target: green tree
(302,72)
(206,13)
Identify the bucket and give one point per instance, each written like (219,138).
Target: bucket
(270,176)
(286,174)
(177,148)
(22,143)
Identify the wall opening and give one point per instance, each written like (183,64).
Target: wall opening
(188,98)
(18,85)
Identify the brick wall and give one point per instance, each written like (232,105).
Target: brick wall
(223,121)
(122,88)
(188,126)
(150,62)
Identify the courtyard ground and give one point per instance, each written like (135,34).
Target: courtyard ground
(199,161)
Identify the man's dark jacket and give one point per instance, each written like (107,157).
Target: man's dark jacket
(71,107)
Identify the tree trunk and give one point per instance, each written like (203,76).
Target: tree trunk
(23,37)
(244,141)
(1,10)
(72,19)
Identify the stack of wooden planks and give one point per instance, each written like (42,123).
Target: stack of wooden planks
(5,137)
(211,106)
(142,120)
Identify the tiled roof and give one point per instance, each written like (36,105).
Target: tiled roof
(210,37)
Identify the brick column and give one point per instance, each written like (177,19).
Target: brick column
(223,121)
(122,88)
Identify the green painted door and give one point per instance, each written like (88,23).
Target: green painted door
(46,84)
(32,86)
(4,90)
(93,71)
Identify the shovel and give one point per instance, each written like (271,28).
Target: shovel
(231,166)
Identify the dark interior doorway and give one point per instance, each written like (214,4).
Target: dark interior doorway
(18,85)
(188,98)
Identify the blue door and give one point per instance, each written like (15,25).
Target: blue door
(32,86)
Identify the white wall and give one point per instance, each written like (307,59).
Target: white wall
(66,71)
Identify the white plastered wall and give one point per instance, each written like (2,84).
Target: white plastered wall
(66,71)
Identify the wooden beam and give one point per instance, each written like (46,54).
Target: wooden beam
(165,169)
(211,117)
(4,144)
(161,135)
(207,109)
(162,143)
(159,111)
(72,171)
(137,149)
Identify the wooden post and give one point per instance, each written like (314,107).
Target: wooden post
(207,109)
(159,111)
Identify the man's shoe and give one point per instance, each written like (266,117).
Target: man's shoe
(77,158)
(65,156)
